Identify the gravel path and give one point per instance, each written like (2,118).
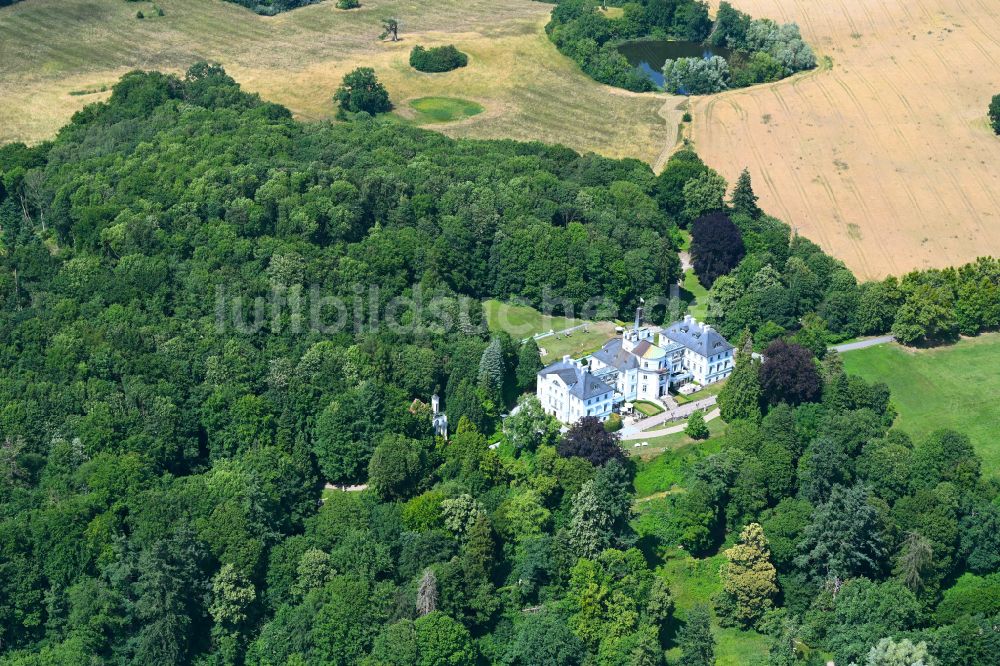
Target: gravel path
(862,344)
(647,434)
(644,427)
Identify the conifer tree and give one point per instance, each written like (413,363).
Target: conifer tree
(529,362)
(491,369)
(743,199)
(844,539)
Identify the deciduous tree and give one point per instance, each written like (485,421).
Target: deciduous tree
(749,579)
(362,91)
(716,247)
(789,374)
(704,194)
(695,638)
(696,427)
(588,439)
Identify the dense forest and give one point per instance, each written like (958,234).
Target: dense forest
(174,394)
(760,49)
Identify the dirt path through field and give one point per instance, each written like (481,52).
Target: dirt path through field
(884,158)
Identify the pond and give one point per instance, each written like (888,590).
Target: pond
(650,55)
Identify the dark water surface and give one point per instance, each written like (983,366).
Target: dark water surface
(650,55)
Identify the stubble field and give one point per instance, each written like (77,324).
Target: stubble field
(885,157)
(52,50)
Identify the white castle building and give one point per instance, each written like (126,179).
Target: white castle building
(568,391)
(634,367)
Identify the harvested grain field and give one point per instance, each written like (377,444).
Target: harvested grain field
(884,157)
(58,55)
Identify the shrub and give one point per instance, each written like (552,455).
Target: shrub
(348,4)
(995,113)
(613,424)
(760,68)
(437,59)
(140,15)
(686,117)
(696,76)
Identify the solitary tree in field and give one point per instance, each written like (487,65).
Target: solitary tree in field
(390,28)
(995,113)
(362,91)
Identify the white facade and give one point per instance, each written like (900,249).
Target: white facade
(569,392)
(707,355)
(633,368)
(637,368)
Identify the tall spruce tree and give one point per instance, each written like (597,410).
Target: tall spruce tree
(529,362)
(743,199)
(844,539)
(491,371)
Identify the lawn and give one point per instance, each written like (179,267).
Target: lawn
(674,455)
(443,109)
(957,387)
(708,391)
(691,580)
(658,445)
(648,408)
(522,321)
(695,295)
(578,343)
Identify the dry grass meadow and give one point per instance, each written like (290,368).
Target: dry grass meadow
(884,158)
(51,48)
(883,155)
